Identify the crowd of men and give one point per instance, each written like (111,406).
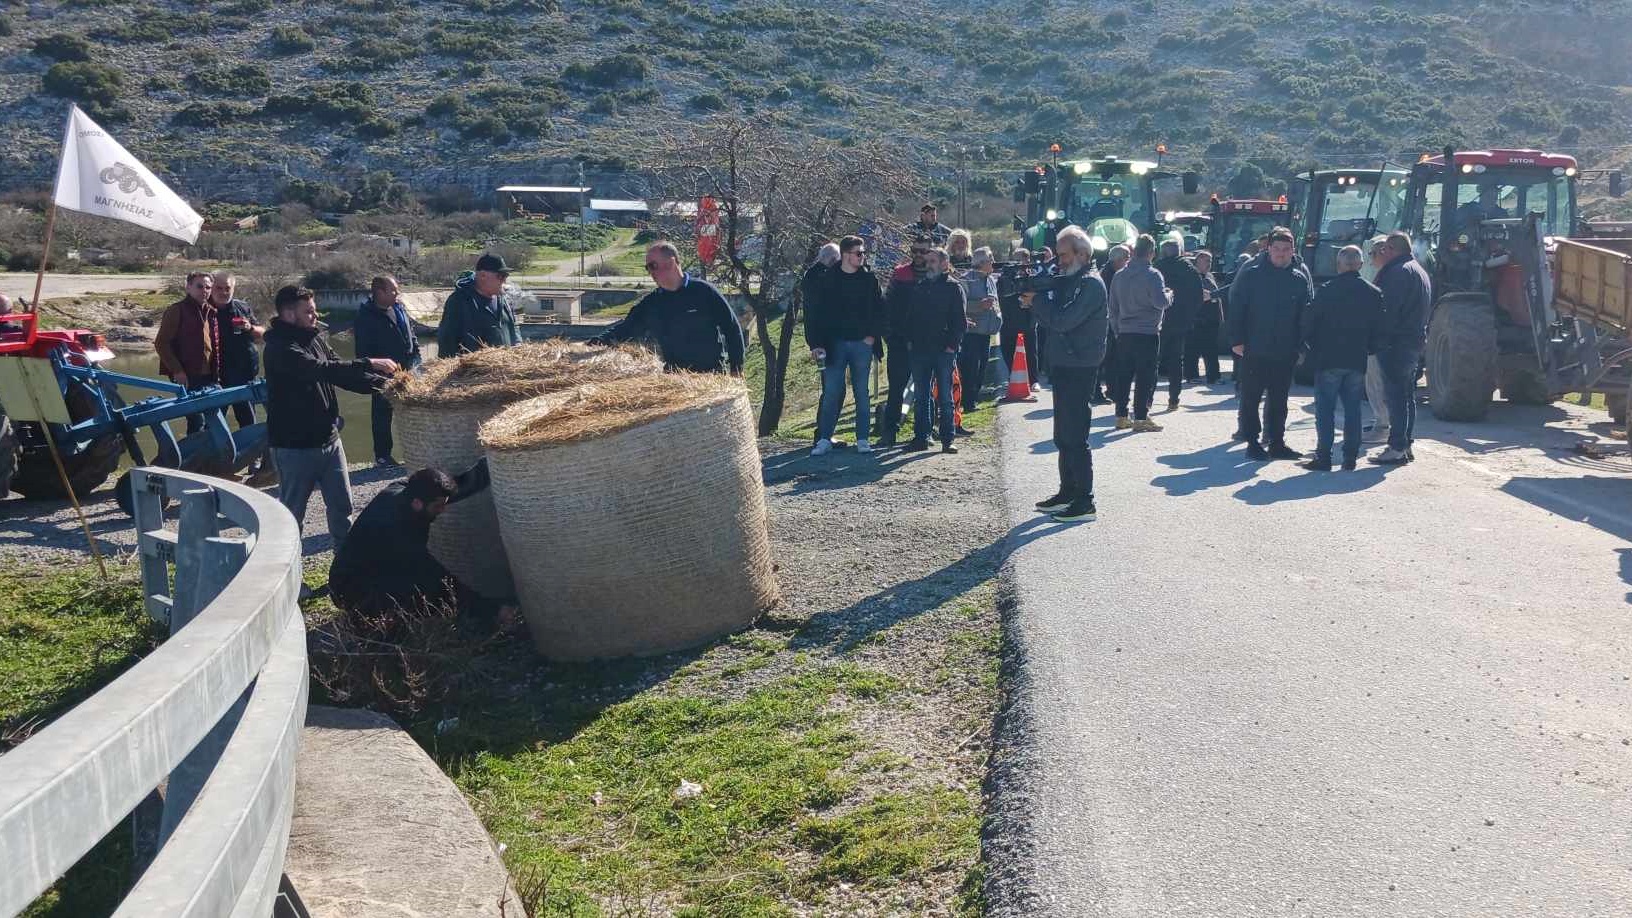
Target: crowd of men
(209,338)
(1107,334)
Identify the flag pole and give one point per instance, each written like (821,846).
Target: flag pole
(45,426)
(50,222)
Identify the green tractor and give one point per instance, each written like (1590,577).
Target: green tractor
(1112,199)
(1333,208)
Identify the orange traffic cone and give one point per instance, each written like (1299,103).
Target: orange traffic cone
(1019,374)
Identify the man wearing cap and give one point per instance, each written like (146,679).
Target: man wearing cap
(477,313)
(692,324)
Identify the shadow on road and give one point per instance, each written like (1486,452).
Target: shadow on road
(1214,467)
(1595,500)
(841,468)
(1309,485)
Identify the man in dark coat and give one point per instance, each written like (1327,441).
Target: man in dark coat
(1017,319)
(478,314)
(929,224)
(1339,329)
(1267,301)
(386,568)
(843,323)
(238,334)
(1074,311)
(898,354)
(692,324)
(383,329)
(303,412)
(934,327)
(1202,348)
(1181,278)
(1407,296)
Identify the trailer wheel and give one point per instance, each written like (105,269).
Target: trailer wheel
(8,454)
(1462,357)
(36,476)
(1524,386)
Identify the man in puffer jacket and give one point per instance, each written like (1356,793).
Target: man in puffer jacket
(1267,301)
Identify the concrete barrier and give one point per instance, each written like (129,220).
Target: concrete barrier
(215,714)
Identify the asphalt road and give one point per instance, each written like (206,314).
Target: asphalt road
(1250,690)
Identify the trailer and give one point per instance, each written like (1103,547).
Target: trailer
(1592,285)
(51,385)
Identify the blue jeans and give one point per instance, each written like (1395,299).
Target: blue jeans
(857,357)
(1399,365)
(1332,386)
(936,365)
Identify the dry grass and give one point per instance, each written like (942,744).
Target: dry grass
(501,375)
(600,409)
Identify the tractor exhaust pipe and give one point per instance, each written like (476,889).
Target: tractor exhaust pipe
(1448,230)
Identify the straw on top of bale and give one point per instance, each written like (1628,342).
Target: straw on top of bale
(598,410)
(496,376)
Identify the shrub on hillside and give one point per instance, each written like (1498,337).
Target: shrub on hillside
(237,80)
(708,102)
(6,28)
(610,71)
(289,40)
(152,26)
(96,85)
(60,46)
(212,114)
(330,103)
(340,271)
(367,53)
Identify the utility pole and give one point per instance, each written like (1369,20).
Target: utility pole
(581,242)
(963,181)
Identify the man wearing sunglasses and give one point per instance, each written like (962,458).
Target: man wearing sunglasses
(898,356)
(841,327)
(692,324)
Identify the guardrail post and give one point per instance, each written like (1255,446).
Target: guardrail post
(147,493)
(199,521)
(216,561)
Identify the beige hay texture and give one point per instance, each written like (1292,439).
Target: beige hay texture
(437,414)
(639,508)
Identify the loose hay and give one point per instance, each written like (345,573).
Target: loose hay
(437,414)
(639,507)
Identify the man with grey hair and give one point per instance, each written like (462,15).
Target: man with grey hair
(235,319)
(983,319)
(1138,299)
(1407,296)
(1338,330)
(1074,312)
(1181,278)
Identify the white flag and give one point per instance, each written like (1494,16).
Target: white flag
(98,176)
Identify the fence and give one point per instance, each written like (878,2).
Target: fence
(223,699)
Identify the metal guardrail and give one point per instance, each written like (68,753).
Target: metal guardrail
(214,714)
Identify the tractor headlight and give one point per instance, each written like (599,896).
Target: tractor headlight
(1467,168)
(1570,171)
(1053,215)
(1083,167)
(1099,243)
(1480,168)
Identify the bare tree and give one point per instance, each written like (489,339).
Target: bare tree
(779,195)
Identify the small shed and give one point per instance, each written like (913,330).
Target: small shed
(617,212)
(558,201)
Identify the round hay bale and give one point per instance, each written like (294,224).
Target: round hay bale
(436,415)
(640,507)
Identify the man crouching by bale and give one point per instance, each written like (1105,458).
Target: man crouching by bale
(385,569)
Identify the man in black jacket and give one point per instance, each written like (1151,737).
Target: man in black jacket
(385,568)
(1339,329)
(842,324)
(692,324)
(1017,318)
(1074,311)
(1407,296)
(1267,301)
(1201,351)
(478,314)
(935,324)
(898,354)
(1181,278)
(383,329)
(303,413)
(235,320)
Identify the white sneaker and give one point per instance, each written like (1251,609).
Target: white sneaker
(822,448)
(862,446)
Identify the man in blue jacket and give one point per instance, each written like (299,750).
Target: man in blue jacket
(1407,295)
(1267,301)
(384,329)
(692,324)
(477,313)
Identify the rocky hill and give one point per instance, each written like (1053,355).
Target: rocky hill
(238,97)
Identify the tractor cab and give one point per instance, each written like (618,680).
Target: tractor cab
(1236,224)
(1455,215)
(1333,208)
(1193,229)
(1113,200)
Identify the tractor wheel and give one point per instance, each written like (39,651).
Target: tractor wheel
(1462,357)
(36,476)
(8,455)
(1524,386)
